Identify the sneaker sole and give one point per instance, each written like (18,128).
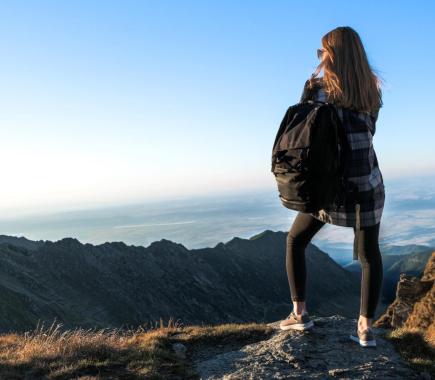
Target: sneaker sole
(299,326)
(369,343)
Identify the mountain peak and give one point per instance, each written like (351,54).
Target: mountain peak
(166,244)
(21,241)
(264,234)
(69,241)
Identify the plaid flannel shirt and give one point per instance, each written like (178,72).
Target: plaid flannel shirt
(363,169)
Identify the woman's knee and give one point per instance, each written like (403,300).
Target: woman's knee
(297,240)
(303,229)
(369,244)
(370,253)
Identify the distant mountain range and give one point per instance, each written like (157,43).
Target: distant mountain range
(409,259)
(113,284)
(401,250)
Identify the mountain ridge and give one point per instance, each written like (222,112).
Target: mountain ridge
(115,284)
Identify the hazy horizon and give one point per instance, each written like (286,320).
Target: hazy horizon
(200,222)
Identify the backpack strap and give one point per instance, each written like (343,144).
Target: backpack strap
(357,231)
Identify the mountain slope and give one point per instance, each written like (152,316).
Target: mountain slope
(112,284)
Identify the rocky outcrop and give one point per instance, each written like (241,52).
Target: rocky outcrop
(323,352)
(422,315)
(414,306)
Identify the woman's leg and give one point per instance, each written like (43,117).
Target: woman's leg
(372,273)
(302,231)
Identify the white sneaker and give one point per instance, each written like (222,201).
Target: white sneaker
(365,338)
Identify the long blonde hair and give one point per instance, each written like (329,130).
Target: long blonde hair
(348,80)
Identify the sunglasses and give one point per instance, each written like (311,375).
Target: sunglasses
(319,53)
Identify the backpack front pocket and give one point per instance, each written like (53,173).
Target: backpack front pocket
(292,160)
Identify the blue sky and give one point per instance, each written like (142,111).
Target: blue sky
(118,101)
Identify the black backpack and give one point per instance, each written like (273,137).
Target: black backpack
(309,157)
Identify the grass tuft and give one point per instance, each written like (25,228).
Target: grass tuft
(413,346)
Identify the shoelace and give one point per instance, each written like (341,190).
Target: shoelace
(292,313)
(368,329)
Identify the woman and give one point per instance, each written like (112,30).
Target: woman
(350,84)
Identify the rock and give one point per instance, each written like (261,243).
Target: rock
(414,306)
(322,352)
(180,350)
(425,376)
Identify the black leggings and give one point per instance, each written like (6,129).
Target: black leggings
(302,231)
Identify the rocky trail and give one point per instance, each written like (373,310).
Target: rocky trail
(324,352)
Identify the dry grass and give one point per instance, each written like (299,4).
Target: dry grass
(414,347)
(54,353)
